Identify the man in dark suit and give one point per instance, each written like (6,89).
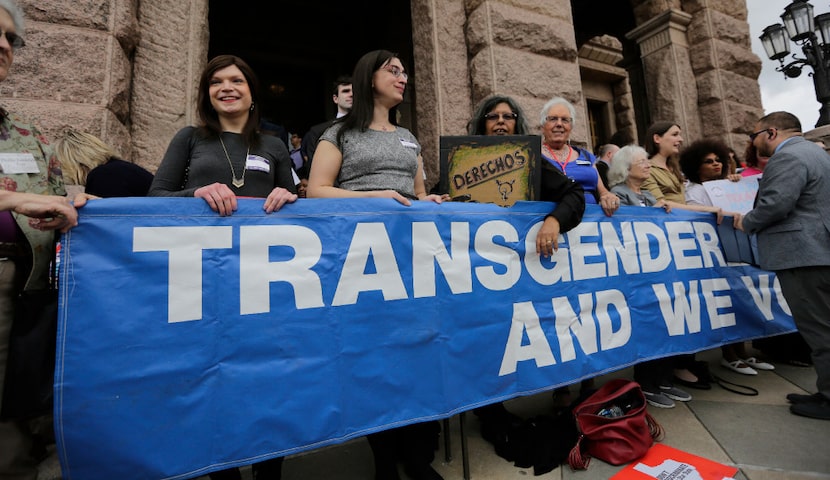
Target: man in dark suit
(342,97)
(604,155)
(793,228)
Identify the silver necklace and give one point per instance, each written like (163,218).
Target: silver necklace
(237,182)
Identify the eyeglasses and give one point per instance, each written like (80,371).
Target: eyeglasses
(15,40)
(753,135)
(503,116)
(709,161)
(396,71)
(554,119)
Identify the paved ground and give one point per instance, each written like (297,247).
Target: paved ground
(756,434)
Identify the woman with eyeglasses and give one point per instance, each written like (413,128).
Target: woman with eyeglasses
(502,115)
(366,154)
(701,162)
(31,183)
(556,119)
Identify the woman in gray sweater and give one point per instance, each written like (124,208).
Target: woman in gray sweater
(368,155)
(226,156)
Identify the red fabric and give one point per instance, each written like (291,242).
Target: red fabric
(616,440)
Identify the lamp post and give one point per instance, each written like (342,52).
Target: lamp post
(800,27)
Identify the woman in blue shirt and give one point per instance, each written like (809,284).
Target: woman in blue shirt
(557,119)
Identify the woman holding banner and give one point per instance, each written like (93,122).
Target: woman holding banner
(701,162)
(501,115)
(666,183)
(366,154)
(630,168)
(556,120)
(224,158)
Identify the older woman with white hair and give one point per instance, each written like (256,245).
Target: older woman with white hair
(25,249)
(629,169)
(557,119)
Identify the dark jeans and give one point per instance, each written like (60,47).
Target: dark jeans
(413,445)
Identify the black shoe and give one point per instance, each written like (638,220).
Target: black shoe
(801,398)
(820,410)
(422,472)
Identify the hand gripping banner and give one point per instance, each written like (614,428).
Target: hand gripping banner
(190,342)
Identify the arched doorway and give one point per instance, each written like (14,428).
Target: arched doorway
(298,48)
(602,84)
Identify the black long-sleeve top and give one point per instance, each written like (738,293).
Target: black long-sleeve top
(567,194)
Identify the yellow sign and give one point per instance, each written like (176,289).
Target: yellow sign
(491,169)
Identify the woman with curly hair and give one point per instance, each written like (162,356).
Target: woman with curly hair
(704,161)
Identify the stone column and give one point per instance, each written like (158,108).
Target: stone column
(75,69)
(168,61)
(526,49)
(670,83)
(441,79)
(725,69)
(522,48)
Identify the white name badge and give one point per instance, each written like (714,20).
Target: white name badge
(18,163)
(408,144)
(583,162)
(255,162)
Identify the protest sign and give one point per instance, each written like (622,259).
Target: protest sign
(499,169)
(733,196)
(663,462)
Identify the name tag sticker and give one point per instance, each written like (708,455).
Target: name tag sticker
(18,163)
(583,162)
(255,162)
(408,144)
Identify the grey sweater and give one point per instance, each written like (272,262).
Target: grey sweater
(193,161)
(374,160)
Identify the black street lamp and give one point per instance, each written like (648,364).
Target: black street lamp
(800,26)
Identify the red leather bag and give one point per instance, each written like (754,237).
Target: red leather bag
(613,425)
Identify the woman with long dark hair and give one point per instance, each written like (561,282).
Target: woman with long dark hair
(226,156)
(367,154)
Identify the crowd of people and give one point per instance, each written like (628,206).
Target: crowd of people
(364,152)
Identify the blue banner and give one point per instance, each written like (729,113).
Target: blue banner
(190,342)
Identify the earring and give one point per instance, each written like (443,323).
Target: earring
(252,107)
